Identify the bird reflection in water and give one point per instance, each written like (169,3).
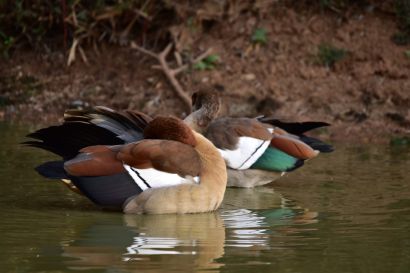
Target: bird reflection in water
(145,243)
(150,242)
(267,215)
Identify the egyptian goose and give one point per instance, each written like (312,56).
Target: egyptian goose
(130,161)
(257,151)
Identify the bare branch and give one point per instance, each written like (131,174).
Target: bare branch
(143,14)
(169,73)
(196,60)
(143,50)
(165,52)
(156,67)
(171,77)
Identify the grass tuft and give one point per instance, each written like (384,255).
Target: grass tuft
(402,37)
(328,55)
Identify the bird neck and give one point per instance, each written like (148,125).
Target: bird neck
(200,119)
(193,121)
(214,173)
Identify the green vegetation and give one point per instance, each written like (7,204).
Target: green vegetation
(34,23)
(328,55)
(208,63)
(59,25)
(26,22)
(259,36)
(333,4)
(400,141)
(4,101)
(6,43)
(407,53)
(402,37)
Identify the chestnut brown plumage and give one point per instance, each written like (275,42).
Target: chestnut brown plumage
(225,132)
(293,147)
(94,161)
(169,128)
(164,155)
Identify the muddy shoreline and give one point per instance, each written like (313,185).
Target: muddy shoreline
(365,95)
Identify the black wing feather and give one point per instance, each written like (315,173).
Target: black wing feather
(296,128)
(67,139)
(52,170)
(317,144)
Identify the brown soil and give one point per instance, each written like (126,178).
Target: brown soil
(365,96)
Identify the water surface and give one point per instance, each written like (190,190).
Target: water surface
(344,212)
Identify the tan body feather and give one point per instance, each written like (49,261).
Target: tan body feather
(187,198)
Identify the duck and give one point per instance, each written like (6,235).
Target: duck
(131,162)
(257,151)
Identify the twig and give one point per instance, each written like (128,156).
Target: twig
(196,60)
(143,14)
(169,72)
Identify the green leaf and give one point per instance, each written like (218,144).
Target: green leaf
(259,36)
(400,141)
(207,63)
(212,59)
(200,66)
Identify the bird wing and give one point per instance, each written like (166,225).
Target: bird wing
(127,126)
(157,163)
(150,163)
(241,141)
(96,160)
(285,153)
(163,155)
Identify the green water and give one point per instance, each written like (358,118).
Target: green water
(344,212)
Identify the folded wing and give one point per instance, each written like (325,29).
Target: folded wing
(241,141)
(151,163)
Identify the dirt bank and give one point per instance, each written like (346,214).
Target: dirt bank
(365,95)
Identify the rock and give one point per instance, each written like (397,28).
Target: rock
(249,77)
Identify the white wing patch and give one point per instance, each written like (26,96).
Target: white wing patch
(151,178)
(248,150)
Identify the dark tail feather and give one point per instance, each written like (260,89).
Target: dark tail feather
(297,165)
(67,139)
(317,144)
(128,125)
(52,169)
(296,128)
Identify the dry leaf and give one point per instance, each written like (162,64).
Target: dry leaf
(71,55)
